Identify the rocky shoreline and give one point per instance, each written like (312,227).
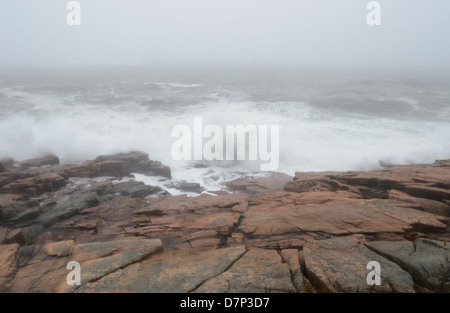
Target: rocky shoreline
(315,232)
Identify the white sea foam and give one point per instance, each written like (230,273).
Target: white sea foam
(312,138)
(309,139)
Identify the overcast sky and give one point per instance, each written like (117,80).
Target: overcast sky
(225,32)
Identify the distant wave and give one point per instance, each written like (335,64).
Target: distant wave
(174,85)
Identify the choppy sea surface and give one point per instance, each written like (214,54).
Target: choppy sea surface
(329,120)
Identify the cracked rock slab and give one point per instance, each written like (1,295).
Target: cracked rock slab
(337,213)
(221,222)
(43,268)
(172,271)
(428,261)
(257,271)
(8,264)
(340,265)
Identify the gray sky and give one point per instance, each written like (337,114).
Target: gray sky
(225,32)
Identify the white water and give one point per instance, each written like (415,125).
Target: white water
(318,132)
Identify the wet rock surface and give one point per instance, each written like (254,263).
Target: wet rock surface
(314,233)
(138,162)
(257,271)
(47,269)
(173,271)
(428,261)
(339,265)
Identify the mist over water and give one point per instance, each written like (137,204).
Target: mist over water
(132,70)
(328,120)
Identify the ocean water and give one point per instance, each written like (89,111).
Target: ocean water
(329,120)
